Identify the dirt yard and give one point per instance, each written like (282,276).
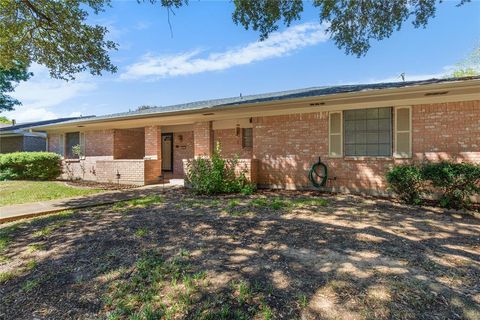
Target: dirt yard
(273,255)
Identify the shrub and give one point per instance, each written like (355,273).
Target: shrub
(216,175)
(406,182)
(30,165)
(457,181)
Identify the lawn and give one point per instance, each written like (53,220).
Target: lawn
(15,192)
(282,255)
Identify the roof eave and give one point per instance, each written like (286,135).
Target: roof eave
(385,92)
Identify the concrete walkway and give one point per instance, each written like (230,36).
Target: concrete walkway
(27,210)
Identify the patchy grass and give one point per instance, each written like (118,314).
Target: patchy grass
(54,222)
(17,192)
(11,274)
(142,232)
(58,219)
(156,288)
(179,256)
(138,203)
(7,275)
(34,247)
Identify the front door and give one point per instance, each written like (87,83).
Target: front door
(167,151)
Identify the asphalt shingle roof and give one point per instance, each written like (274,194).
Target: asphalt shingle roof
(209,105)
(27,125)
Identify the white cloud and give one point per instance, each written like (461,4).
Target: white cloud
(277,45)
(41,93)
(28,114)
(142,25)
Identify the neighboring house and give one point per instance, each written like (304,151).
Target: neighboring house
(21,137)
(359,131)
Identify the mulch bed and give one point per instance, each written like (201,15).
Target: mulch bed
(99,185)
(300,258)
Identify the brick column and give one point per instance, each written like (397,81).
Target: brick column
(203,138)
(153,142)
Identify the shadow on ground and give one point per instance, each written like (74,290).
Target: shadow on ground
(277,257)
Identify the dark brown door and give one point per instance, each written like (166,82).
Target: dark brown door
(167,151)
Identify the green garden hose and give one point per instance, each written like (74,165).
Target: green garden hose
(318,174)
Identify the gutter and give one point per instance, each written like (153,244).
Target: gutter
(20,132)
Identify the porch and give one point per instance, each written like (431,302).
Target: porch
(141,155)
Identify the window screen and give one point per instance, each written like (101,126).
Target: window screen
(247,137)
(72,139)
(368,132)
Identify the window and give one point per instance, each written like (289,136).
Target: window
(368,132)
(247,137)
(71,139)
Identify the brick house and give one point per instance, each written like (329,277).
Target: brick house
(359,131)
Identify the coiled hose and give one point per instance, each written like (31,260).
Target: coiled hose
(318,174)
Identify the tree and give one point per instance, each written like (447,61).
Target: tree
(8,77)
(468,67)
(5,120)
(56,33)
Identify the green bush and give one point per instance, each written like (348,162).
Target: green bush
(30,166)
(457,182)
(216,175)
(406,181)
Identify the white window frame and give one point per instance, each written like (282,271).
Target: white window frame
(335,134)
(395,135)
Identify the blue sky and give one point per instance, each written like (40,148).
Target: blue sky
(210,57)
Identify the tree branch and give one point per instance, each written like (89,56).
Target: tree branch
(34,9)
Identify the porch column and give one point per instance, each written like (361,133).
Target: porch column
(153,143)
(203,138)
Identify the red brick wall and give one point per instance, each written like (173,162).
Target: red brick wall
(98,146)
(53,142)
(181,150)
(287,146)
(153,169)
(153,142)
(203,142)
(231,143)
(447,131)
(129,144)
(99,143)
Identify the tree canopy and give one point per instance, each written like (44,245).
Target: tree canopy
(469,66)
(56,34)
(8,79)
(5,120)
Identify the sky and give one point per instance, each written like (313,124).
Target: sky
(207,56)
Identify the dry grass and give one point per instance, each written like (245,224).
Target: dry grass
(273,255)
